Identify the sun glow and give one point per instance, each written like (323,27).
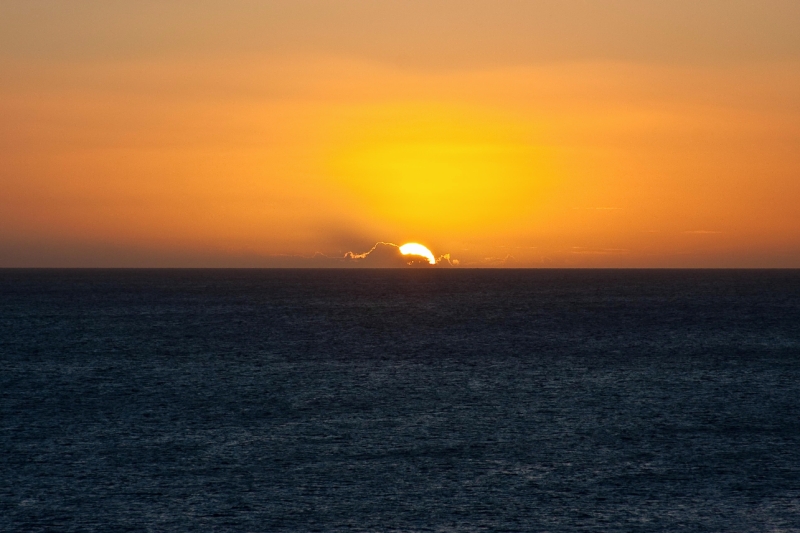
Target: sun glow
(413,248)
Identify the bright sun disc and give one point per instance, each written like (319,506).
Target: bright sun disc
(413,248)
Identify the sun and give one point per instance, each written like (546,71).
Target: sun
(413,248)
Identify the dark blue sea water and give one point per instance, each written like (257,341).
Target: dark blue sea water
(399,400)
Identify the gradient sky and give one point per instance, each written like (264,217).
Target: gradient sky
(616,133)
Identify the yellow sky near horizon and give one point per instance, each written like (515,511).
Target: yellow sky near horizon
(619,135)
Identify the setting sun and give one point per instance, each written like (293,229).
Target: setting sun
(412,248)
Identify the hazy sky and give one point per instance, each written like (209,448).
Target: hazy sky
(536,133)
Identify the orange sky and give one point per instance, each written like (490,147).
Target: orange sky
(505,133)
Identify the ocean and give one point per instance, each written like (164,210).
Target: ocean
(400,400)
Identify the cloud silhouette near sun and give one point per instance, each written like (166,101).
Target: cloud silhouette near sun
(389,255)
(382,255)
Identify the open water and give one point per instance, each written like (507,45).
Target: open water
(399,400)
